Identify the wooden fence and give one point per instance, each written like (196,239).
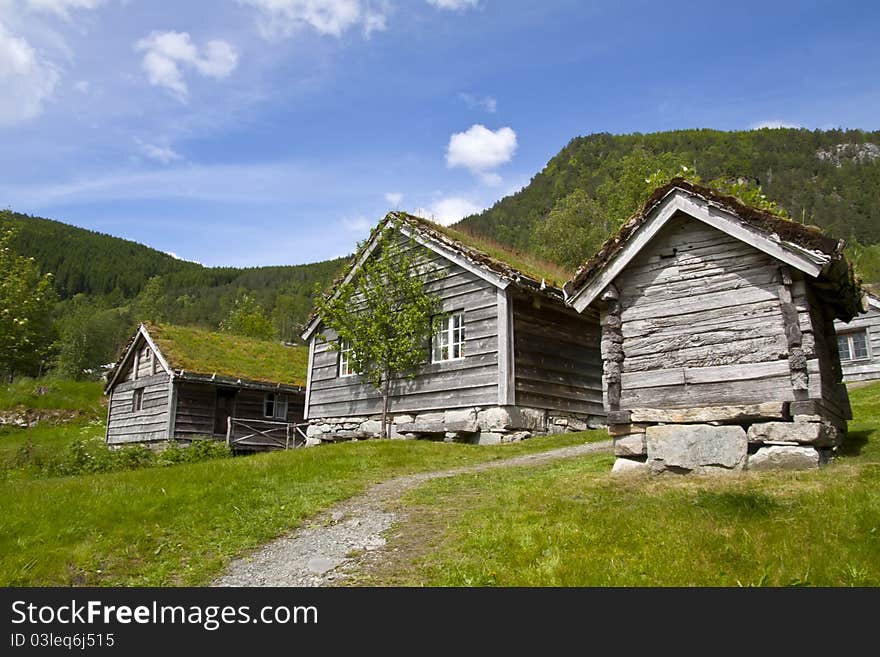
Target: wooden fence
(258,435)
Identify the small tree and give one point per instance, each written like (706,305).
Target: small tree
(383,315)
(248,319)
(151,304)
(26,300)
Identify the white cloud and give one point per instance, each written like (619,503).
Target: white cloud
(357,224)
(394,198)
(27,80)
(82,86)
(375,21)
(448,210)
(282,18)
(163,154)
(774,125)
(166,52)
(453,5)
(488,104)
(481,150)
(62,8)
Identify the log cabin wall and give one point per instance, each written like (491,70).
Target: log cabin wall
(701,322)
(469,381)
(557,364)
(145,377)
(867,368)
(196,407)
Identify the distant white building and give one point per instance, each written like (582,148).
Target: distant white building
(859,344)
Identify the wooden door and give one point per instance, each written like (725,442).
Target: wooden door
(224,409)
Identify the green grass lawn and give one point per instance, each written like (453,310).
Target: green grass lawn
(49,393)
(572,524)
(181,524)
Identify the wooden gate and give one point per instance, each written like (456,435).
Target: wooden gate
(245,434)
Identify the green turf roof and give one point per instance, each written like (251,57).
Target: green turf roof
(199,351)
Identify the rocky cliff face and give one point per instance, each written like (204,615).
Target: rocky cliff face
(860,153)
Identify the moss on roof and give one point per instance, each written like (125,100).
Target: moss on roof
(846,295)
(200,351)
(524,263)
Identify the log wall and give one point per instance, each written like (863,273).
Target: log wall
(869,368)
(557,364)
(470,381)
(702,322)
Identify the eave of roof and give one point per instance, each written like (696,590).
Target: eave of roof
(434,236)
(806,239)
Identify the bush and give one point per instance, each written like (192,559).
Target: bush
(90,455)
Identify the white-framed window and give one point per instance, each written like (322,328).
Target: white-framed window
(345,365)
(853,346)
(447,342)
(275,406)
(137,400)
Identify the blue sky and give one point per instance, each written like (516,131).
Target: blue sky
(254,132)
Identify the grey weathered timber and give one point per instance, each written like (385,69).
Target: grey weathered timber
(176,407)
(523,348)
(556,357)
(715,318)
(868,324)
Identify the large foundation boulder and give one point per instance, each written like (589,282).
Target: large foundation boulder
(699,448)
(785,457)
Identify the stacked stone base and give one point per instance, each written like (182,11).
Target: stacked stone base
(719,439)
(487,425)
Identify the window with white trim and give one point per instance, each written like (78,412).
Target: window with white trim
(345,365)
(275,406)
(853,346)
(137,400)
(447,342)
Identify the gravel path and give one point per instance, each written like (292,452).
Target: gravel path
(319,552)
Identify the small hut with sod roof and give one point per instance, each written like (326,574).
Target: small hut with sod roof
(718,341)
(508,359)
(185,384)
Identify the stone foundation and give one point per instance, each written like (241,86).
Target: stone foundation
(719,439)
(491,425)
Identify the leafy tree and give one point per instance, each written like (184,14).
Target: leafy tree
(749,192)
(89,336)
(383,314)
(26,300)
(248,319)
(578,223)
(574,230)
(151,303)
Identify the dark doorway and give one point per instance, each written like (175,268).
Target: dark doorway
(225,409)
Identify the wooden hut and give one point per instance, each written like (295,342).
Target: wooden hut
(858,343)
(188,384)
(718,342)
(509,360)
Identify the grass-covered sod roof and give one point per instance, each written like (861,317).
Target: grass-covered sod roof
(199,351)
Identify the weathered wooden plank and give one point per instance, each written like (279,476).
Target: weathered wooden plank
(707,394)
(704,321)
(743,412)
(697,304)
(698,375)
(582,407)
(149,381)
(462,398)
(755,350)
(438,383)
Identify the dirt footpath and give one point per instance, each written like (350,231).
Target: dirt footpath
(321,551)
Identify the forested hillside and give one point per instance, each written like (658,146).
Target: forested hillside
(105,285)
(827,178)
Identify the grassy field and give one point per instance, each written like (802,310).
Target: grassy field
(181,524)
(83,397)
(572,524)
